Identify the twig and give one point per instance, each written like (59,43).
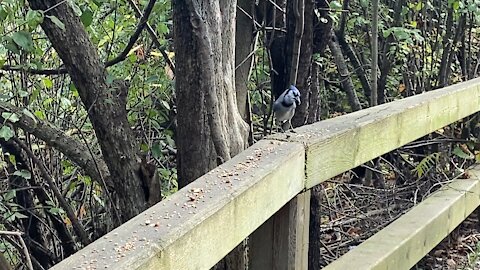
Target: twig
(154,36)
(58,71)
(140,26)
(24,246)
(43,170)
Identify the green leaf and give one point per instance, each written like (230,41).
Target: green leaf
(12,159)
(6,133)
(56,211)
(144,147)
(23,93)
(87,17)
(98,3)
(9,195)
(9,116)
(76,9)
(23,173)
(364,3)
(457,151)
(40,115)
(56,21)
(335,5)
(23,39)
(34,18)
(29,114)
(73,89)
(19,215)
(162,28)
(65,103)
(3,14)
(11,46)
(47,83)
(165,104)
(156,150)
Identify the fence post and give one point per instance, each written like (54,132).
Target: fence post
(281,243)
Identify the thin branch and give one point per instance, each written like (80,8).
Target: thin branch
(154,36)
(276,6)
(70,147)
(141,25)
(248,16)
(64,204)
(374,70)
(58,71)
(24,246)
(122,56)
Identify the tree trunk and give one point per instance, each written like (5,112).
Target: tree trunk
(105,103)
(314,103)
(314,245)
(388,58)
(210,128)
(276,42)
(446,46)
(244,45)
(344,73)
(304,77)
(374,81)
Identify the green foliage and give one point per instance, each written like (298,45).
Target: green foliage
(426,164)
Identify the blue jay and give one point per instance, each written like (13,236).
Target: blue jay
(284,106)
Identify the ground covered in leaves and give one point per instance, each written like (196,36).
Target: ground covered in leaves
(351,213)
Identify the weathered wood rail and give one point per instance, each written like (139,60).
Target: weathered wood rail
(263,193)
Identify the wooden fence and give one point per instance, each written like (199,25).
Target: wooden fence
(264,193)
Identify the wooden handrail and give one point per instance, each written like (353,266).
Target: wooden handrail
(197,226)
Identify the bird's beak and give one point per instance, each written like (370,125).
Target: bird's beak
(297,101)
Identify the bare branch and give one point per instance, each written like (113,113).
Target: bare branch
(63,203)
(154,36)
(141,25)
(70,147)
(58,71)
(24,246)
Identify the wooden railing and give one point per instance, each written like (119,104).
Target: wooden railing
(263,194)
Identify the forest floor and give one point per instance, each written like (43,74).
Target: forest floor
(460,250)
(351,213)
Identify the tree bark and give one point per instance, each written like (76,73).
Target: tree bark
(210,128)
(387,58)
(304,76)
(314,103)
(374,89)
(276,43)
(105,103)
(244,46)
(346,80)
(314,256)
(73,149)
(446,46)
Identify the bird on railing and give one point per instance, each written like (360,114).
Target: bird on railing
(284,106)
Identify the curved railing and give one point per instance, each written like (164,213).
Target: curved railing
(264,193)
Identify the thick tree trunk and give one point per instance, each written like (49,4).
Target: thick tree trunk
(104,102)
(304,66)
(322,27)
(210,128)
